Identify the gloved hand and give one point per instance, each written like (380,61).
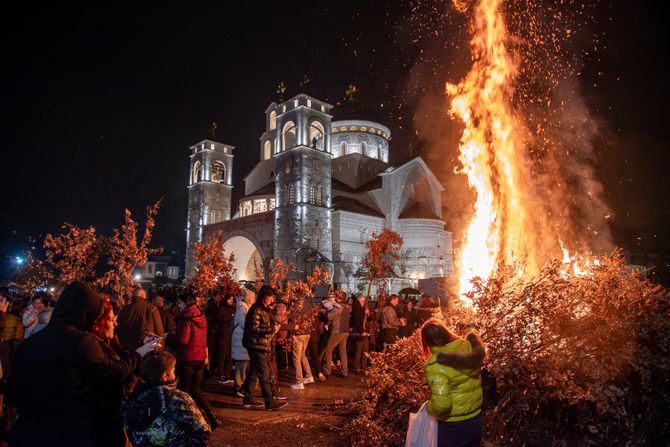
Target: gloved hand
(148,347)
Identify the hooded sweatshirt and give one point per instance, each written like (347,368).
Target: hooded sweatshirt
(190,339)
(162,415)
(56,373)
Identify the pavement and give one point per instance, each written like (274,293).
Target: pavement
(314,416)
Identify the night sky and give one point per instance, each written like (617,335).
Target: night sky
(100,105)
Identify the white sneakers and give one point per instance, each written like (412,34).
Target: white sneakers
(297,386)
(322,378)
(309,379)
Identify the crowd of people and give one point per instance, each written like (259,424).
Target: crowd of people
(89,373)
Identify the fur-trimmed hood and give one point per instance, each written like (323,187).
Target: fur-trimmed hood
(471,360)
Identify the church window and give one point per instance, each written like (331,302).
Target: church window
(260,206)
(273,120)
(287,168)
(363,148)
(267,150)
(291,194)
(284,195)
(316,133)
(245,208)
(197,168)
(271,204)
(309,103)
(319,194)
(343,129)
(316,166)
(312,194)
(344,148)
(288,136)
(218,172)
(295,103)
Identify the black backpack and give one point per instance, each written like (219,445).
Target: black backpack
(490,395)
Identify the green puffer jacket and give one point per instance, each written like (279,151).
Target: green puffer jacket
(456,390)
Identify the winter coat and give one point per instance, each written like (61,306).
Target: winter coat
(58,374)
(239,352)
(136,320)
(333,319)
(359,321)
(224,321)
(163,416)
(190,338)
(453,374)
(34,322)
(167,320)
(258,329)
(390,318)
(12,328)
(345,317)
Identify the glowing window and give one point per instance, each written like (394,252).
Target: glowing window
(316,133)
(319,194)
(295,103)
(353,128)
(343,129)
(260,206)
(271,204)
(267,150)
(218,172)
(288,136)
(245,208)
(309,103)
(197,172)
(273,120)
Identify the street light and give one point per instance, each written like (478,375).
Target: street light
(138,277)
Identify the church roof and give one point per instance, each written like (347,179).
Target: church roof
(418,211)
(342,203)
(265,190)
(316,256)
(375,183)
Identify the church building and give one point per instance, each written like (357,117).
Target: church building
(322,186)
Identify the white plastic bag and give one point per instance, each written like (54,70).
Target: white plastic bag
(422,430)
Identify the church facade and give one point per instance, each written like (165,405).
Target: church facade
(321,188)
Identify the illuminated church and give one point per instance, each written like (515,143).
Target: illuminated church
(322,186)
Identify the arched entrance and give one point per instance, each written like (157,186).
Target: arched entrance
(245,253)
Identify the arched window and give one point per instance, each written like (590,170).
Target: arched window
(312,194)
(344,148)
(291,194)
(363,148)
(219,172)
(316,135)
(267,150)
(319,194)
(273,120)
(288,136)
(195,175)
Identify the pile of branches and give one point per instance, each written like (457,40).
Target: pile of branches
(580,360)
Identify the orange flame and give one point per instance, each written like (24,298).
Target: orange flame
(507,226)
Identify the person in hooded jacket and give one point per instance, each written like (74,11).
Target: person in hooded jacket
(62,374)
(453,368)
(190,345)
(159,414)
(245,300)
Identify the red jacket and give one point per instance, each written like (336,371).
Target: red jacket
(190,340)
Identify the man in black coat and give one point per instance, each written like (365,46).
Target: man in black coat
(52,383)
(136,320)
(258,331)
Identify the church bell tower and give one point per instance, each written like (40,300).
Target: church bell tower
(209,192)
(303,227)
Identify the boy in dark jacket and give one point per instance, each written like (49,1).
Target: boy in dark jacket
(158,414)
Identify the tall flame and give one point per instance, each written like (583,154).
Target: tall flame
(491,150)
(510,223)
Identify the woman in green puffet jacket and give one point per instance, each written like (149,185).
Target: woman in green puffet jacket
(453,368)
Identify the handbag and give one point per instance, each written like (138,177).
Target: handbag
(489,392)
(422,429)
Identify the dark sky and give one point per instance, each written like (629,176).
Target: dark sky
(101,104)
